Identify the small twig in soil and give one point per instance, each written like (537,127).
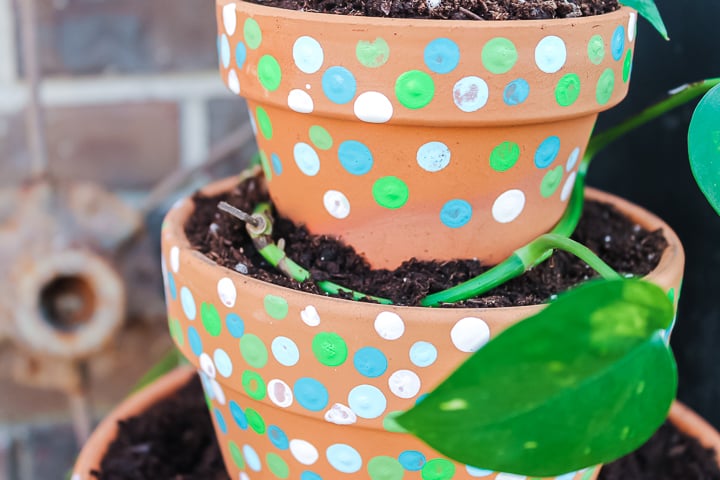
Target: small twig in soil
(470,13)
(239,214)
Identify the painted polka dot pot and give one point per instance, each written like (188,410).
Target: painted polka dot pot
(463,136)
(306,387)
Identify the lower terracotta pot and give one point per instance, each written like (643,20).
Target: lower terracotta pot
(306,386)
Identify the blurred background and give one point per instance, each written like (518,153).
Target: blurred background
(112,109)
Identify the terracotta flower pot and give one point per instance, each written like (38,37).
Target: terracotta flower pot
(309,383)
(461,135)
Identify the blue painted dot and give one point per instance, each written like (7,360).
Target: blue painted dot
(423,354)
(207,388)
(225,51)
(220,420)
(276,164)
(306,159)
(567,476)
(516,92)
(188,303)
(421,398)
(235,325)
(172,288)
(547,152)
(478,472)
(370,362)
(194,340)
(311,394)
(285,351)
(442,55)
(339,85)
(238,415)
(278,437)
(433,156)
(308,475)
(456,213)
(223,364)
(251,458)
(240,54)
(412,460)
(355,157)
(344,458)
(367,401)
(617,45)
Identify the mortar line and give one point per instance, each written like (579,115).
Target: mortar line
(8,47)
(194,132)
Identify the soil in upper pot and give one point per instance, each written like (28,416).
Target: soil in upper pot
(625,246)
(173,440)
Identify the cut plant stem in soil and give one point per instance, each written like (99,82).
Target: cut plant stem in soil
(625,246)
(173,440)
(453,9)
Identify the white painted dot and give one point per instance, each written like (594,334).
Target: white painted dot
(233,82)
(310,316)
(229,16)
(567,476)
(217,390)
(225,51)
(222,362)
(304,451)
(306,159)
(244,476)
(632,26)
(471,94)
(478,472)
(568,187)
(207,365)
(175,259)
(76,476)
(508,206)
(308,86)
(373,107)
(300,101)
(404,383)
(280,393)
(340,414)
(389,325)
(253,125)
(433,156)
(572,159)
(510,476)
(227,292)
(308,54)
(336,204)
(470,334)
(550,54)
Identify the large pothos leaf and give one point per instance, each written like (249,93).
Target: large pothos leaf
(704,146)
(583,382)
(649,10)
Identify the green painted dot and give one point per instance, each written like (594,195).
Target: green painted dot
(390,423)
(596,49)
(264,123)
(671,295)
(265,165)
(330,349)
(627,66)
(499,55)
(504,156)
(254,385)
(236,455)
(276,307)
(253,34)
(551,181)
(567,90)
(438,469)
(385,468)
(176,331)
(253,350)
(414,89)
(269,72)
(210,319)
(255,420)
(320,137)
(605,86)
(390,192)
(277,465)
(588,474)
(208,402)
(372,54)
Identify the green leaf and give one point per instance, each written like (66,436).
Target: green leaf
(585,381)
(649,10)
(704,146)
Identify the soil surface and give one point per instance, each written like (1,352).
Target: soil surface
(453,9)
(622,244)
(174,441)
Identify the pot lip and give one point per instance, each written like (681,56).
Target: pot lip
(669,268)
(689,422)
(254,9)
(96,446)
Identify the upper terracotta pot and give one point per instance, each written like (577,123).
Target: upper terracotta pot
(463,136)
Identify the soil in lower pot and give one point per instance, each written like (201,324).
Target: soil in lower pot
(174,440)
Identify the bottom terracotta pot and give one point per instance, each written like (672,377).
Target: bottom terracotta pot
(94,450)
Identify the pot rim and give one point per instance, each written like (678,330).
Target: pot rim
(670,266)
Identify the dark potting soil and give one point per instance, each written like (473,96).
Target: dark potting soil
(625,246)
(453,9)
(173,441)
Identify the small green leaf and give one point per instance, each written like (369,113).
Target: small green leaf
(169,362)
(649,10)
(583,382)
(704,146)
